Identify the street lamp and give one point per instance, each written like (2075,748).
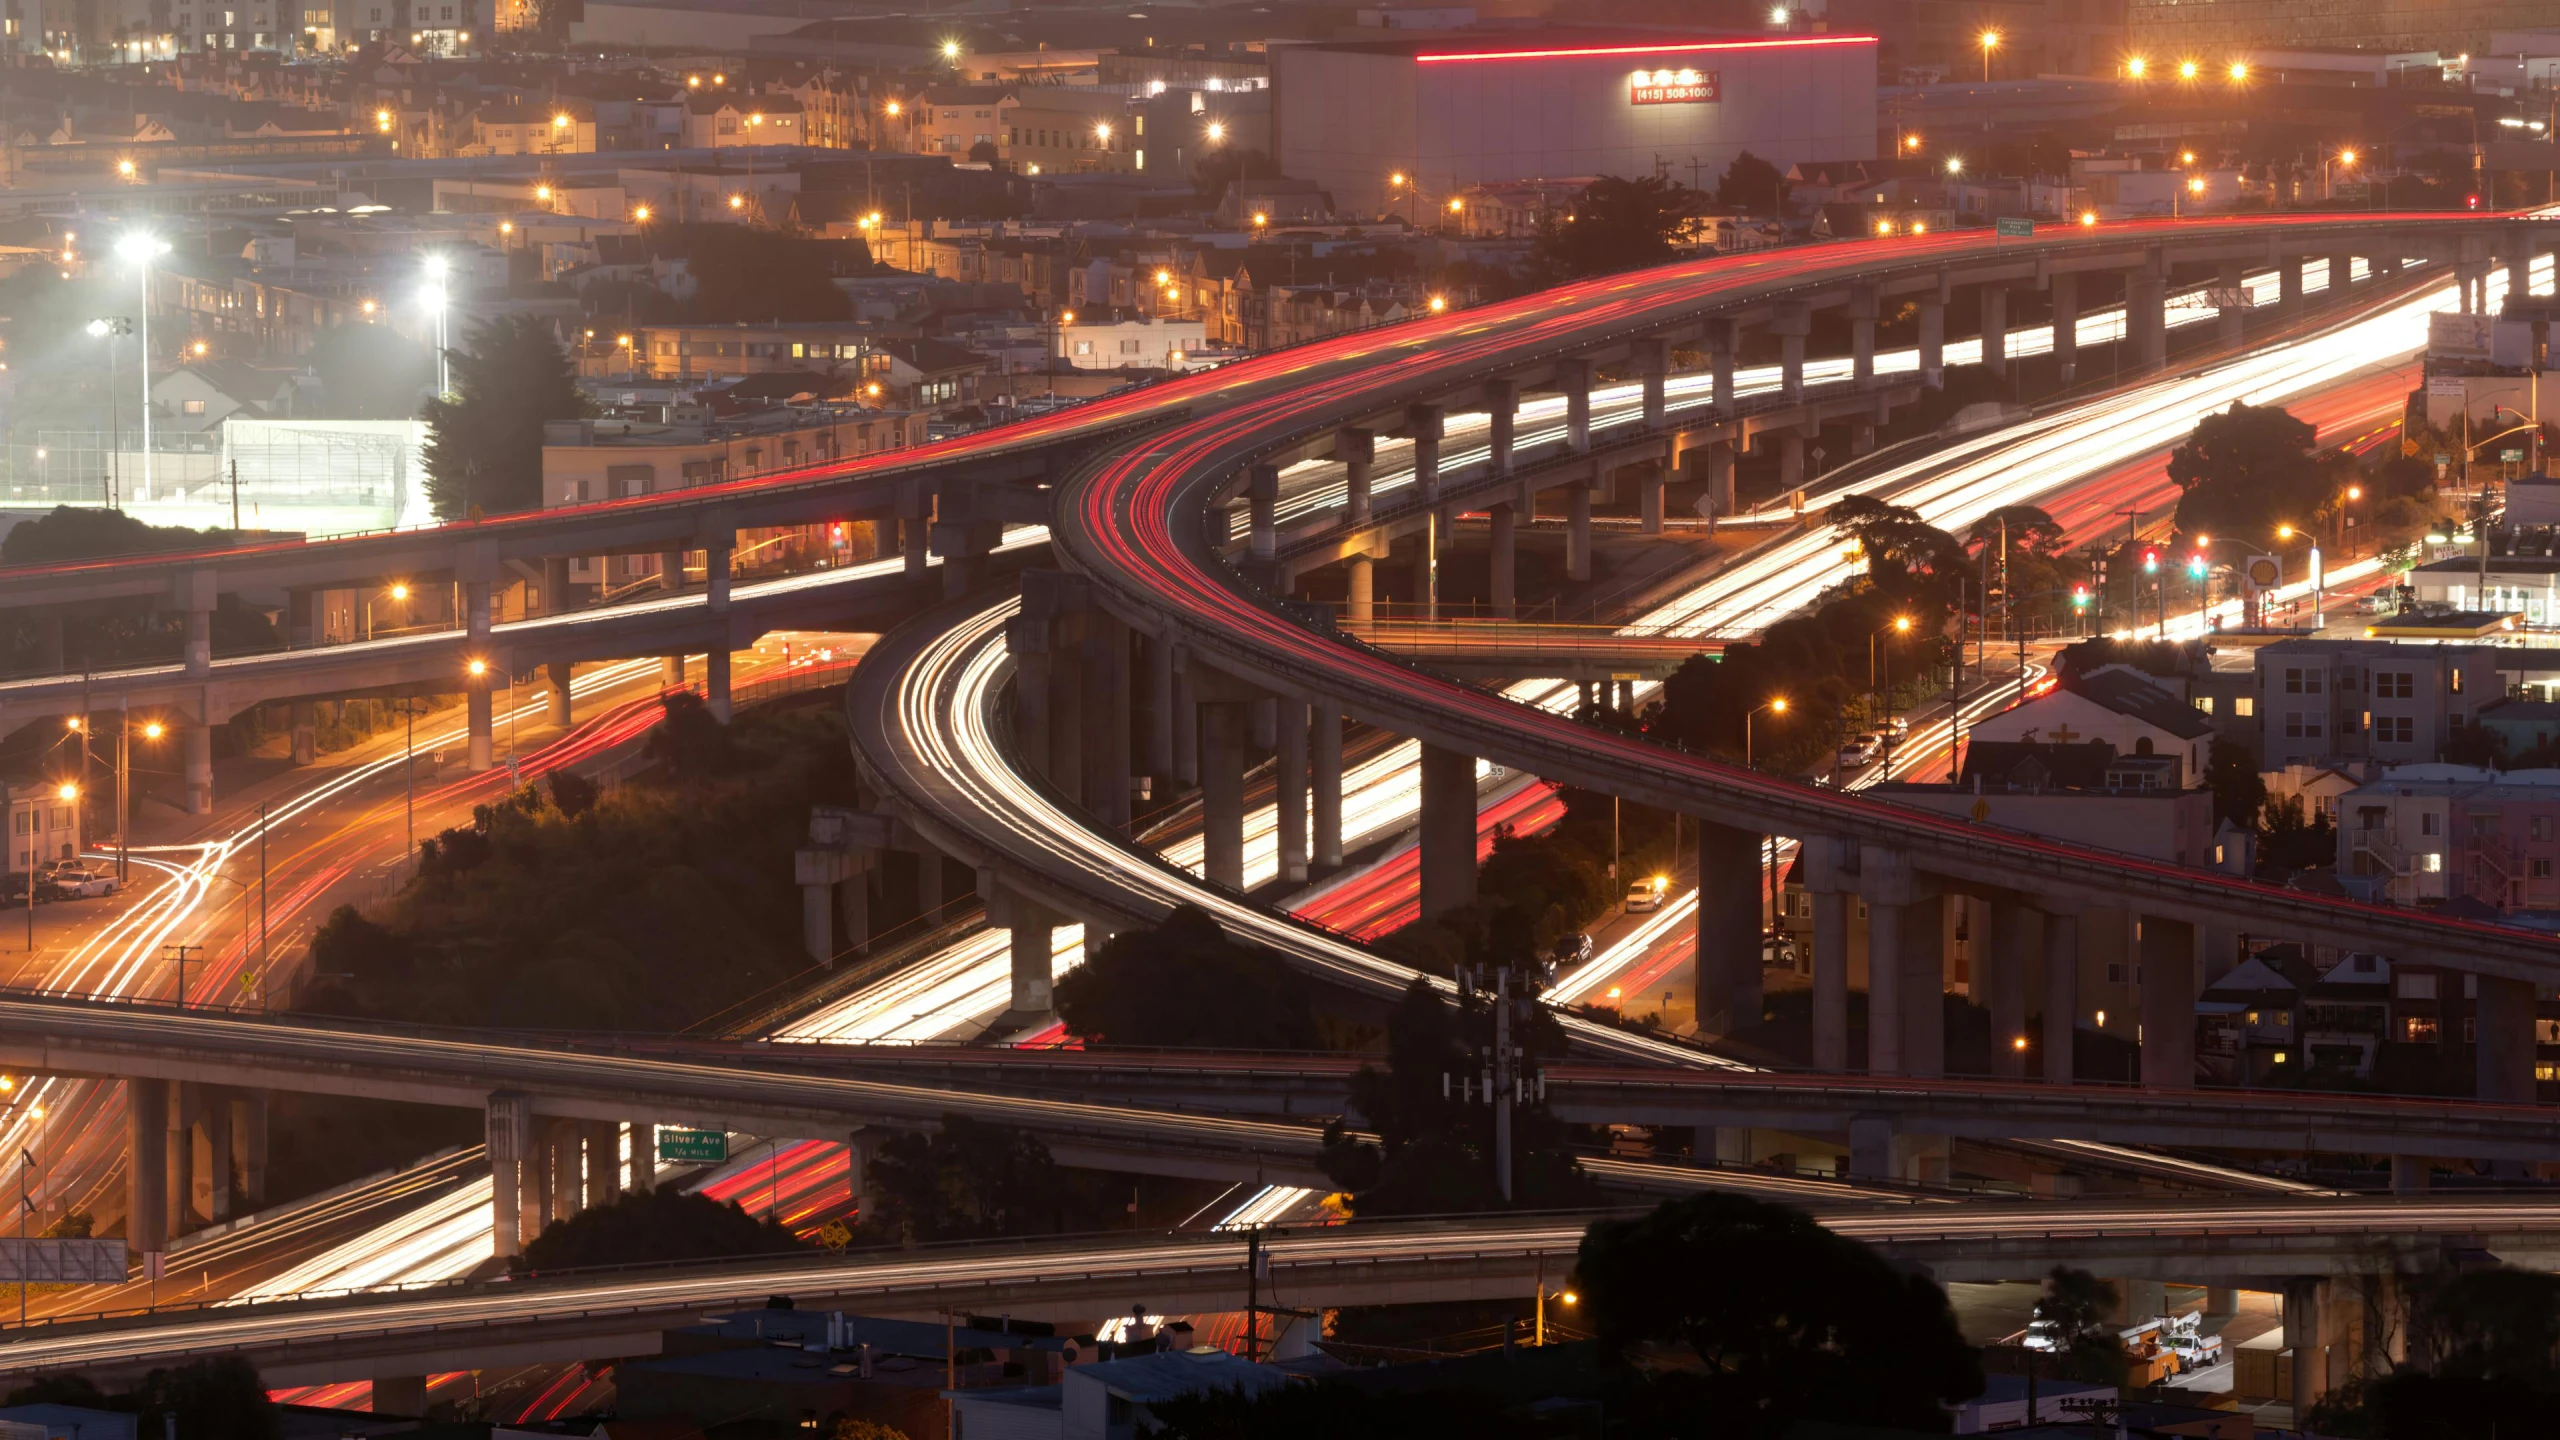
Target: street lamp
(2187,69)
(1955,164)
(151,730)
(2239,72)
(2135,67)
(1777,706)
(1884,694)
(141,248)
(434,295)
(1990,42)
(2344,159)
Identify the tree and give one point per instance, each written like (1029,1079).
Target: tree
(1217,169)
(1615,225)
(741,273)
(371,372)
(643,1226)
(208,1400)
(1752,184)
(484,441)
(1787,1320)
(2479,1363)
(1434,1154)
(68,533)
(2076,1304)
(692,742)
(1184,983)
(2238,794)
(969,1181)
(2250,471)
(1896,545)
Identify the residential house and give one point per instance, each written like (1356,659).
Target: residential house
(2247,1022)
(2132,711)
(926,374)
(722,120)
(2434,834)
(2521,725)
(2327,702)
(1121,343)
(565,127)
(196,398)
(709,352)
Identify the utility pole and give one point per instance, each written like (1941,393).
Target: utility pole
(1502,1081)
(265,958)
(181,953)
(235,498)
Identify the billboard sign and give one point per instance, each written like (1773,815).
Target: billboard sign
(1675,87)
(63,1262)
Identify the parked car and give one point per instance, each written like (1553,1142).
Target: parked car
(1898,728)
(1646,895)
(1861,750)
(1572,950)
(75,881)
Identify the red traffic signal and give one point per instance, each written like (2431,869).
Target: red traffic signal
(2150,562)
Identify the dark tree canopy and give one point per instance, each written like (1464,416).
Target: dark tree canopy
(1615,225)
(1753,184)
(651,1225)
(1789,1320)
(1184,983)
(371,372)
(79,533)
(2251,470)
(967,1181)
(484,441)
(213,1399)
(742,273)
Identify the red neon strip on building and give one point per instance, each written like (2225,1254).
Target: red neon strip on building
(1692,48)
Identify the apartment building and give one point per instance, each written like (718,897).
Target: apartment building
(2332,702)
(2435,834)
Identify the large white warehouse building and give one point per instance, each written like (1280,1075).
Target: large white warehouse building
(1450,113)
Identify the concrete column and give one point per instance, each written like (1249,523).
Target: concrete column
(716,561)
(1448,830)
(1326,744)
(1862,437)
(2147,318)
(860,1149)
(178,1165)
(1160,723)
(1106,726)
(1649,482)
(249,1146)
(2502,1035)
(928,881)
(213,1167)
(2168,1004)
(1069,710)
(2229,321)
(2302,1297)
(1726,980)
(1871,1146)
(1357,449)
(853,899)
(1720,475)
(1505,564)
(1933,343)
(818,922)
(1222,737)
(1502,405)
(1359,577)
(305,719)
(1424,423)
(604,1162)
(1573,377)
(1831,981)
(2467,275)
(1794,322)
(1721,342)
(555,692)
(2409,1175)
(1262,501)
(1290,778)
(715,681)
(2289,287)
(509,1122)
(1026,638)
(555,585)
(2064,291)
(1863,309)
(2002,983)
(644,1155)
(1790,462)
(1995,331)
(916,550)
(199,642)
(399,1395)
(478,705)
(671,570)
(196,741)
(2342,274)
(2061,995)
(1577,534)
(146,1130)
(1653,363)
(1032,943)
(1923,957)
(567,1190)
(671,671)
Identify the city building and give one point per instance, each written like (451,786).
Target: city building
(563,128)
(711,352)
(1107,1400)
(2341,702)
(721,120)
(2435,833)
(1474,109)
(2133,712)
(1157,343)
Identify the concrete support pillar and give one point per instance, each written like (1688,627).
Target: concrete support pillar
(2229,321)
(1360,584)
(644,1155)
(853,901)
(1577,534)
(1829,886)
(2302,1305)
(2146,298)
(1653,363)
(1903,922)
(509,1121)
(1160,719)
(1794,322)
(861,1148)
(1573,377)
(1871,1147)
(2502,1035)
(146,1129)
(715,682)
(306,737)
(2289,287)
(1720,476)
(199,642)
(928,882)
(555,585)
(197,741)
(1722,340)
(1726,980)
(1027,640)
(1448,839)
(49,644)
(2061,995)
(567,1190)
(1502,405)
(1290,781)
(1862,437)
(1923,988)
(399,1395)
(1995,331)
(555,692)
(1863,308)
(1068,709)
(2168,1004)
(1106,725)
(1506,597)
(1424,423)
(717,557)
(916,549)
(178,1151)
(2015,934)
(604,1162)
(213,1161)
(1933,343)
(249,1147)
(2064,292)
(1649,482)
(2409,1175)
(478,704)
(1326,745)
(818,922)
(1186,729)
(1222,746)
(671,672)
(671,570)
(1262,500)
(2341,273)
(1790,462)
(1032,943)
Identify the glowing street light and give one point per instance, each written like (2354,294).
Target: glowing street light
(951,51)
(140,248)
(1217,131)
(2239,72)
(1955,164)
(2187,69)
(1990,42)
(1439,303)
(2136,67)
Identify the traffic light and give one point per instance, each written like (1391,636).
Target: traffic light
(2079,597)
(2195,567)
(2150,562)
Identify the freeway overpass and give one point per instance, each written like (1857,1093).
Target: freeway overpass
(1080,1280)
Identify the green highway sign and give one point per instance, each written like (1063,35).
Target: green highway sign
(705,1146)
(2511,456)
(2013,227)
